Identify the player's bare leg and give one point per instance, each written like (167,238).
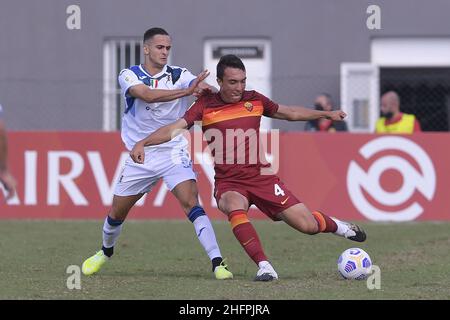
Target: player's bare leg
(112,228)
(302,219)
(122,205)
(187,194)
(235,206)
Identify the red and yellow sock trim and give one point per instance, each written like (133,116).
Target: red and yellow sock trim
(238,217)
(320,221)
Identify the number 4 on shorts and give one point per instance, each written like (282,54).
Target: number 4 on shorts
(278,190)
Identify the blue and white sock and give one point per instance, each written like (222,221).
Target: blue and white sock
(111,231)
(205,232)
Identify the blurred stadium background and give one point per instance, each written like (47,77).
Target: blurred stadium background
(293,50)
(59,91)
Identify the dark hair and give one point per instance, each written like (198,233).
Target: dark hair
(230,61)
(150,33)
(327,96)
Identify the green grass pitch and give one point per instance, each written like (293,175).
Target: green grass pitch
(164,260)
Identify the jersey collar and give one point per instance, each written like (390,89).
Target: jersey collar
(163,72)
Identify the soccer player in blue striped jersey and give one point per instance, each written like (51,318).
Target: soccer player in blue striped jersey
(156,94)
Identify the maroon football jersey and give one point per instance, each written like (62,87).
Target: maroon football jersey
(232,132)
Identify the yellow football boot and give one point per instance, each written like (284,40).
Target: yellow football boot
(222,273)
(94,263)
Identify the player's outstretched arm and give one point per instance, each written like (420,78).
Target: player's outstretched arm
(141,91)
(161,135)
(204,88)
(305,114)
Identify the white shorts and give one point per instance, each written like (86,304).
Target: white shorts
(173,166)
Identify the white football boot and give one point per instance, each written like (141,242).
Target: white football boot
(266,272)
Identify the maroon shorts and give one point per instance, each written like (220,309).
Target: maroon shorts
(268,193)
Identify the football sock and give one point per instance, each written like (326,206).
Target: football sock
(205,233)
(108,251)
(342,227)
(246,234)
(111,231)
(325,223)
(216,262)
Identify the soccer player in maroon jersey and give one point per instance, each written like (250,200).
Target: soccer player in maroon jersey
(239,180)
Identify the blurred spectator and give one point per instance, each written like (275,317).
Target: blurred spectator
(325,103)
(392,120)
(6,179)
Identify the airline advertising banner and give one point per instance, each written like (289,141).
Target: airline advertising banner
(71,175)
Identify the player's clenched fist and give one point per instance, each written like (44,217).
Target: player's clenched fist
(137,153)
(336,115)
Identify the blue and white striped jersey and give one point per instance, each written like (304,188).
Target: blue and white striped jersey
(141,118)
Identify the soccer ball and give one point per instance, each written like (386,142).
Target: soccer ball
(354,263)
